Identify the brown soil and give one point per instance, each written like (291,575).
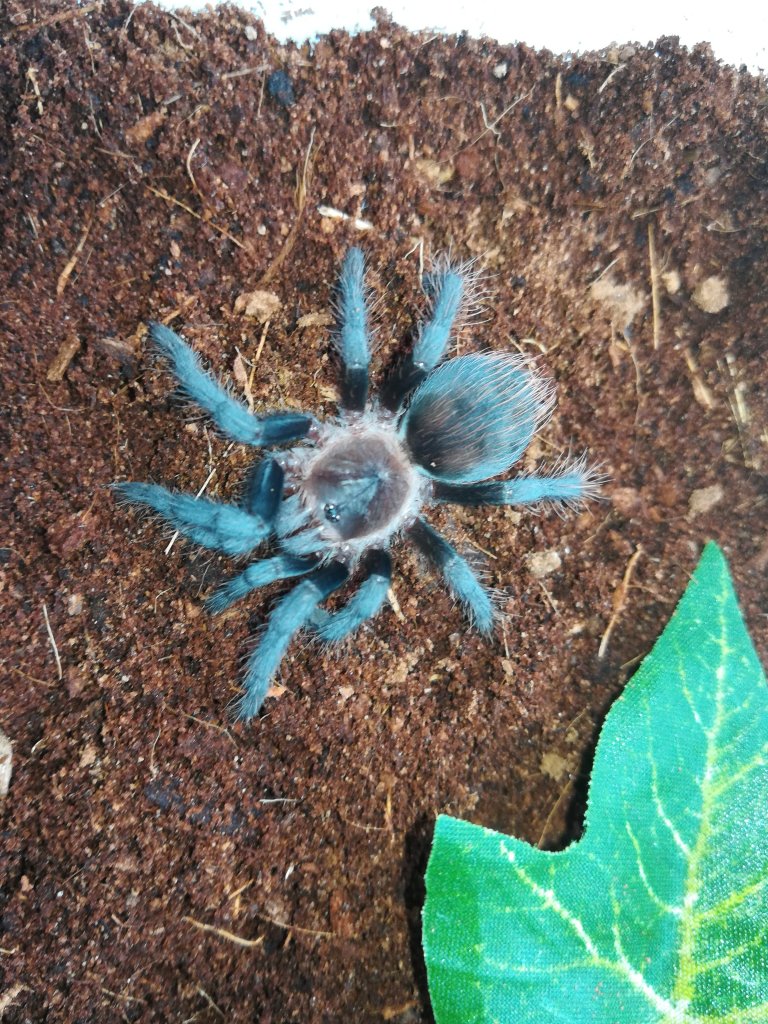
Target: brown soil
(159,863)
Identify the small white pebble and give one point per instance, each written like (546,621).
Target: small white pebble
(542,563)
(711,294)
(703,499)
(672,282)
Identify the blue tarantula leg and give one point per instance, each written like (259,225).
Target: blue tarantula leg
(229,415)
(263,490)
(573,485)
(459,575)
(212,525)
(445,287)
(260,574)
(287,618)
(353,332)
(363,605)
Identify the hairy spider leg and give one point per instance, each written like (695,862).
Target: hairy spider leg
(208,523)
(474,416)
(289,615)
(229,415)
(446,290)
(292,517)
(363,605)
(263,490)
(353,332)
(259,574)
(459,575)
(569,488)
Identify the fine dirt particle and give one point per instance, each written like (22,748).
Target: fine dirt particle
(158,862)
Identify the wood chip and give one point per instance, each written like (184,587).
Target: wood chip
(258,305)
(315,320)
(6,763)
(60,364)
(703,499)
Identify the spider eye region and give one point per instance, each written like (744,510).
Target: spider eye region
(360,485)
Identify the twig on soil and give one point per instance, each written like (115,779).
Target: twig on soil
(655,294)
(386,827)
(200,493)
(259,350)
(119,995)
(188,27)
(548,596)
(295,928)
(739,408)
(392,1012)
(190,154)
(55,19)
(152,753)
(224,934)
(32,78)
(568,786)
(32,679)
(188,209)
(395,604)
(490,126)
(210,725)
(619,599)
(243,71)
(616,70)
(333,214)
(701,392)
(53,641)
(217,1009)
(261,95)
(64,276)
(302,189)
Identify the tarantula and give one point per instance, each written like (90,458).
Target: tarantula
(335,502)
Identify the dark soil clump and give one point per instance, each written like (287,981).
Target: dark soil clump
(159,863)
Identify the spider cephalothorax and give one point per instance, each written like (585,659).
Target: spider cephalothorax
(335,502)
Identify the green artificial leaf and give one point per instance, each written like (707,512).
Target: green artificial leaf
(660,912)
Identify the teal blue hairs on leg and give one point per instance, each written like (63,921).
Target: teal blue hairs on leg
(362,605)
(258,574)
(575,485)
(208,523)
(229,415)
(353,332)
(458,573)
(289,615)
(445,288)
